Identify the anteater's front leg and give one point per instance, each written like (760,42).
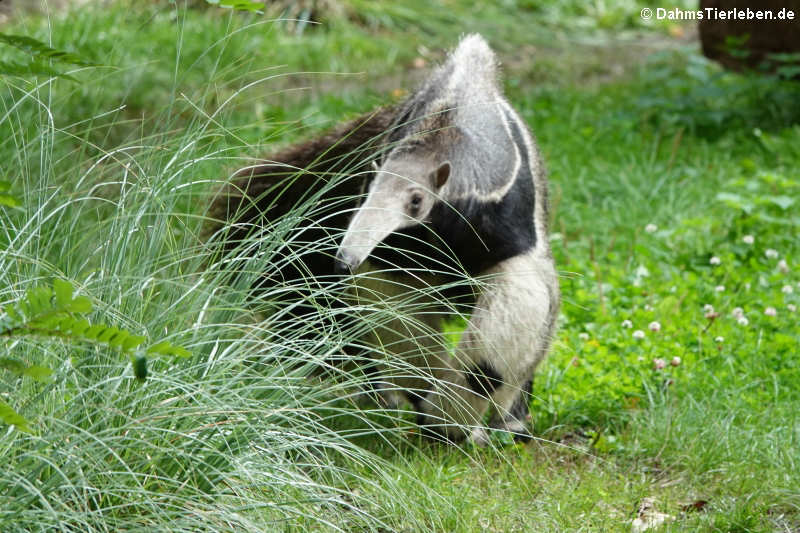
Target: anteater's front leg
(507,336)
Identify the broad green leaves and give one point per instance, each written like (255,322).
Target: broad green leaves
(20,368)
(9,416)
(41,50)
(166,348)
(238,5)
(56,312)
(41,59)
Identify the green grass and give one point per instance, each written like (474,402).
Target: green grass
(115,173)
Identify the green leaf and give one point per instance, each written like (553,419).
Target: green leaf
(117,340)
(37,301)
(784,202)
(41,50)
(41,57)
(180,351)
(107,334)
(9,416)
(32,68)
(736,201)
(160,347)
(133,341)
(79,327)
(9,201)
(94,331)
(13,365)
(788,71)
(780,221)
(63,290)
(65,323)
(81,305)
(238,5)
(13,313)
(167,348)
(39,373)
(790,57)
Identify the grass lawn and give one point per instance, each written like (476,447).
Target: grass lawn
(675,192)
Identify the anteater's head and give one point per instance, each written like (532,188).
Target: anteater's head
(402,194)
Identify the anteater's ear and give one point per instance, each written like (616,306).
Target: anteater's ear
(440,176)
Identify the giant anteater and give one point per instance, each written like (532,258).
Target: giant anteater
(443,192)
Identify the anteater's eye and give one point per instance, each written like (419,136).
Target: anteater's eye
(416,201)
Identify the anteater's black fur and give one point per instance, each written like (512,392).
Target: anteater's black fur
(337,167)
(260,196)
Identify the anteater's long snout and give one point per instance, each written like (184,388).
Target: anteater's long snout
(373,222)
(344,263)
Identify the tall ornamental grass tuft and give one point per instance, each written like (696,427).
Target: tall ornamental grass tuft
(257,429)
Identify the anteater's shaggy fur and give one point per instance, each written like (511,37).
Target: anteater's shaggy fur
(262,194)
(448,186)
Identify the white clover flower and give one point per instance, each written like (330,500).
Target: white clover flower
(770,311)
(791,307)
(737,312)
(748,239)
(708,308)
(627,323)
(676,361)
(715,260)
(659,363)
(783,266)
(747,286)
(638,334)
(719,340)
(583,336)
(648,307)
(719,288)
(654,326)
(787,289)
(742,320)
(771,254)
(651,228)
